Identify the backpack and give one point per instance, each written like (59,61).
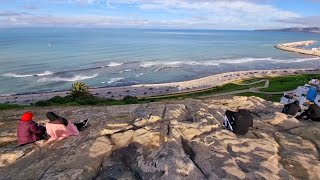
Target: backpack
(238,122)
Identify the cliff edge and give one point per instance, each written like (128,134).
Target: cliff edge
(167,140)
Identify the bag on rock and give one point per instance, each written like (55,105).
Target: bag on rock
(238,122)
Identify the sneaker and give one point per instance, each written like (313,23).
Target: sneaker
(85,123)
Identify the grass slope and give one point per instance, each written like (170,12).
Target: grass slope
(287,83)
(273,97)
(215,90)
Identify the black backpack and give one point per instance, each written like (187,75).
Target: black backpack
(240,122)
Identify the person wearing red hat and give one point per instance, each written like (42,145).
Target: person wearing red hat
(29,131)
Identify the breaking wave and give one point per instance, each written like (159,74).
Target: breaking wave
(46,73)
(302,60)
(127,70)
(179,33)
(67,79)
(113,64)
(169,64)
(140,74)
(166,67)
(202,63)
(166,63)
(113,80)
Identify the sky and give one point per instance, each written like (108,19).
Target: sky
(181,14)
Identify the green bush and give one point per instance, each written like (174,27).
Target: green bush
(80,90)
(92,101)
(81,102)
(130,100)
(9,106)
(69,100)
(43,103)
(60,100)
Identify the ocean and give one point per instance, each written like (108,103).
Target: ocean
(51,59)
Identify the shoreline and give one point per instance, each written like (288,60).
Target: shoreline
(148,90)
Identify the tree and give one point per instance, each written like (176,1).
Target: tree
(80,90)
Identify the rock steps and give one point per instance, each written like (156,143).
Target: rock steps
(173,140)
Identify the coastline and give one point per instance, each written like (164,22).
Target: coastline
(147,90)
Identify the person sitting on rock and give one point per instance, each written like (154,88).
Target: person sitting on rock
(29,131)
(313,112)
(292,108)
(60,128)
(239,121)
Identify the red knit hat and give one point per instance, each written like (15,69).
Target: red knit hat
(27,116)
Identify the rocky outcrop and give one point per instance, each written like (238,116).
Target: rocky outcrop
(169,140)
(297,47)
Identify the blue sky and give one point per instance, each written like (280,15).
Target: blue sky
(189,14)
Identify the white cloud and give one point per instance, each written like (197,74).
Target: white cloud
(245,12)
(211,14)
(211,6)
(313,21)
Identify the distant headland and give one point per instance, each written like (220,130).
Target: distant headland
(296,29)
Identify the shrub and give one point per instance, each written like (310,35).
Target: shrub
(9,106)
(43,103)
(80,90)
(60,100)
(130,100)
(81,102)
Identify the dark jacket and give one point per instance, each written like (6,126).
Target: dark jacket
(29,131)
(292,108)
(314,112)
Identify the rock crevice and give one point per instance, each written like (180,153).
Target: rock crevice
(172,140)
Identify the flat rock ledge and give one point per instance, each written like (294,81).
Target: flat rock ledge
(181,139)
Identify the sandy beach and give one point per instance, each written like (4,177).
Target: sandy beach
(147,90)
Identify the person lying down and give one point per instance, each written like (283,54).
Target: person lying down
(60,128)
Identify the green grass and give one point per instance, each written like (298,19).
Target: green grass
(287,83)
(273,97)
(246,81)
(90,100)
(215,90)
(10,106)
(280,84)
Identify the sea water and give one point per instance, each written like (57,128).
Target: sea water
(51,59)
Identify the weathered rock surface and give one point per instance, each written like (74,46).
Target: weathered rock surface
(169,140)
